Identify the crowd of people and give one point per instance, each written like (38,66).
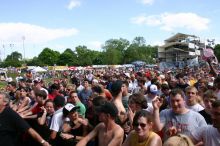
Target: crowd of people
(113,107)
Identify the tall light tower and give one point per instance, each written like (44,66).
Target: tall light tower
(23,38)
(4,51)
(11,46)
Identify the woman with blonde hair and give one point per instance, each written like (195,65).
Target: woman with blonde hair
(178,140)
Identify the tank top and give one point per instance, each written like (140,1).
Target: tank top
(134,139)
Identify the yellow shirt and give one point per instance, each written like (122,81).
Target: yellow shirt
(134,139)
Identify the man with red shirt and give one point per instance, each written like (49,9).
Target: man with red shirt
(54,91)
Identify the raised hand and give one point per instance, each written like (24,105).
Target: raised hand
(157,103)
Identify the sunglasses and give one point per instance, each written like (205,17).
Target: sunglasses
(139,124)
(191,93)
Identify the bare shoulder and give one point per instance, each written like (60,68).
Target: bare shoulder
(100,126)
(156,140)
(118,129)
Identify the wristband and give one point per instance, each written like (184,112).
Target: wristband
(42,141)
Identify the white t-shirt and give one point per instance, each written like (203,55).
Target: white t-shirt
(197,107)
(186,123)
(150,108)
(132,86)
(57,120)
(149,103)
(208,134)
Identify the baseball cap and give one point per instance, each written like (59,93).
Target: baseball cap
(68,108)
(37,80)
(162,76)
(95,81)
(22,79)
(127,74)
(153,89)
(108,108)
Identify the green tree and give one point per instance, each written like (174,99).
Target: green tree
(14,59)
(83,55)
(34,62)
(114,51)
(131,54)
(97,57)
(48,57)
(138,50)
(68,57)
(14,56)
(139,41)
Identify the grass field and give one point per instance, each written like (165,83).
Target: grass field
(3,84)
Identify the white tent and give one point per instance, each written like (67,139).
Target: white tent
(39,69)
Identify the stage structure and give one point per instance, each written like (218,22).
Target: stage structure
(179,51)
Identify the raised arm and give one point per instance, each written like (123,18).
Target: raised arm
(37,137)
(158,126)
(90,136)
(42,120)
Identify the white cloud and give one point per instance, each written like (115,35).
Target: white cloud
(73,3)
(171,21)
(12,32)
(147,2)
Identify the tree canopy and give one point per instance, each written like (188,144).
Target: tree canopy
(114,51)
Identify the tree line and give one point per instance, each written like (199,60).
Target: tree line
(114,51)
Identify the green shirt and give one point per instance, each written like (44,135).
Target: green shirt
(82,109)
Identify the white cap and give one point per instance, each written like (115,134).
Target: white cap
(95,81)
(69,107)
(162,76)
(153,89)
(127,74)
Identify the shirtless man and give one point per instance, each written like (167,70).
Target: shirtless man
(108,132)
(116,91)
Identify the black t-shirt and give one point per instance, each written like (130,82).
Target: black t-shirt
(11,127)
(207,117)
(12,95)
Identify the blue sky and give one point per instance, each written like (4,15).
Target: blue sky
(61,24)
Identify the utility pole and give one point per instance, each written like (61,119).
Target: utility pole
(4,51)
(23,38)
(11,46)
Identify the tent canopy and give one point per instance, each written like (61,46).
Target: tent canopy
(39,69)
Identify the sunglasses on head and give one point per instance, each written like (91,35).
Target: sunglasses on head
(143,125)
(191,92)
